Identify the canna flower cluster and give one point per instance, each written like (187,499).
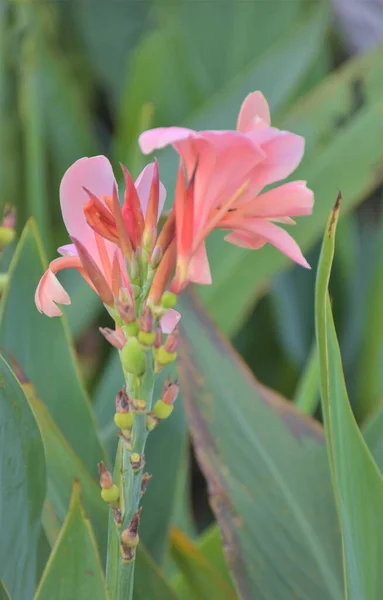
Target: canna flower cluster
(221,183)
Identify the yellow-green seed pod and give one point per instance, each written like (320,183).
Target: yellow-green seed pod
(133,357)
(7,235)
(146,338)
(162,410)
(164,357)
(124,420)
(131,329)
(110,495)
(169,300)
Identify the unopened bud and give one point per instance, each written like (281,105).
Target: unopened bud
(146,320)
(151,421)
(9,218)
(165,358)
(170,391)
(158,339)
(110,495)
(124,420)
(144,483)
(122,400)
(117,516)
(156,257)
(115,338)
(162,410)
(132,357)
(172,341)
(137,461)
(104,476)
(139,405)
(169,300)
(130,539)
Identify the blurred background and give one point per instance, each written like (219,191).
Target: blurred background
(79,78)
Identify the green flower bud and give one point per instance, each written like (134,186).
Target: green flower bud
(124,420)
(7,235)
(164,357)
(110,495)
(162,410)
(146,338)
(131,329)
(133,357)
(169,300)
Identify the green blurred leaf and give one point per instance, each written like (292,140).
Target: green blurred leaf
(358,484)
(199,580)
(374,438)
(337,156)
(266,469)
(22,490)
(306,396)
(3,592)
(74,568)
(164,456)
(43,348)
(210,546)
(148,580)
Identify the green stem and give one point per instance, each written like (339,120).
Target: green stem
(120,573)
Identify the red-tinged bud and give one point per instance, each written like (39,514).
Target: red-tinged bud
(9,217)
(99,218)
(124,240)
(105,477)
(172,341)
(130,539)
(156,257)
(167,234)
(149,236)
(123,402)
(7,227)
(95,275)
(163,274)
(170,392)
(158,340)
(128,315)
(146,320)
(115,338)
(131,210)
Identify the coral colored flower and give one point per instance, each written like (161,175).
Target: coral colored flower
(103,235)
(220,182)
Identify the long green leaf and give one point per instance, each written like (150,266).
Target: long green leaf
(3,592)
(22,490)
(43,348)
(358,484)
(335,158)
(266,469)
(74,568)
(374,439)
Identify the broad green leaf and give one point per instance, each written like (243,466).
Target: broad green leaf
(374,439)
(22,490)
(164,456)
(199,580)
(3,592)
(42,347)
(63,467)
(306,396)
(358,483)
(210,546)
(149,581)
(336,157)
(74,568)
(266,469)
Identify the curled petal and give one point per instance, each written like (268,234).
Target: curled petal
(170,320)
(243,239)
(199,268)
(67,250)
(49,293)
(254,110)
(157,138)
(143,186)
(284,152)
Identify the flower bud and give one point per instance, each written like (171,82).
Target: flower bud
(158,340)
(115,338)
(165,358)
(146,334)
(110,495)
(169,300)
(156,257)
(162,410)
(170,391)
(172,341)
(104,476)
(137,461)
(124,420)
(151,421)
(130,539)
(132,357)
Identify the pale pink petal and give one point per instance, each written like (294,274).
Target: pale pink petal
(276,236)
(199,269)
(170,320)
(292,199)
(68,250)
(157,138)
(96,175)
(253,110)
(283,152)
(143,184)
(245,240)
(49,293)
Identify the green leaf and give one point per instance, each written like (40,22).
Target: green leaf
(63,467)
(148,580)
(336,157)
(74,568)
(358,484)
(210,546)
(374,439)
(199,579)
(266,469)
(3,592)
(306,396)
(22,490)
(43,348)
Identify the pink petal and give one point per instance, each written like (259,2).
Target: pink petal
(278,237)
(292,199)
(199,268)
(170,320)
(143,184)
(283,152)
(48,293)
(68,250)
(96,175)
(245,240)
(253,110)
(157,138)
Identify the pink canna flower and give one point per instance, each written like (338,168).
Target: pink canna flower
(220,184)
(104,235)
